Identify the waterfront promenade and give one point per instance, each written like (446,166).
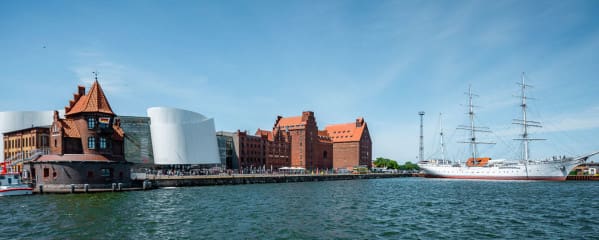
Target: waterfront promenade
(152,181)
(234,179)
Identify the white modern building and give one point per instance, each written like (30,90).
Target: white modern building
(182,137)
(13,121)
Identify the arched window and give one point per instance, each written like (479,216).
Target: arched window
(91,122)
(102,143)
(91,142)
(324,155)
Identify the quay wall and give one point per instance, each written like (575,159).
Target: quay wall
(186,181)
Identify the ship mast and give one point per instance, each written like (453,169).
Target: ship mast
(442,137)
(525,122)
(472,128)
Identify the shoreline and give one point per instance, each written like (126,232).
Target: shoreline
(163,181)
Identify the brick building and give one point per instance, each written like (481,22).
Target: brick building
(297,142)
(309,148)
(242,151)
(251,150)
(23,145)
(86,147)
(278,148)
(352,145)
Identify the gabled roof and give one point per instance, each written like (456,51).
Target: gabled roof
(289,121)
(94,101)
(70,128)
(265,133)
(347,132)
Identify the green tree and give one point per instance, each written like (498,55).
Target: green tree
(385,163)
(409,166)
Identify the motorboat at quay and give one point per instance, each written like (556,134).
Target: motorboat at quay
(10,183)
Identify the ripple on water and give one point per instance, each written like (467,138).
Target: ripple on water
(405,208)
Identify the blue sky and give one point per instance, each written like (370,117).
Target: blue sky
(245,62)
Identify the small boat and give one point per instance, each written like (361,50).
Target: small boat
(10,184)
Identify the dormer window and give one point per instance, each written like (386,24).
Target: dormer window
(91,122)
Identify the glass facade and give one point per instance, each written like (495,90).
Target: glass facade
(226,150)
(138,140)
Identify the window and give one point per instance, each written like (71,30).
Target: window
(102,143)
(106,172)
(46,172)
(90,174)
(55,143)
(54,174)
(91,122)
(91,142)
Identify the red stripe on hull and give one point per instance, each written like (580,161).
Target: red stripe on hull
(16,189)
(540,178)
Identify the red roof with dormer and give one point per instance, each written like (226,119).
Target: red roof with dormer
(346,132)
(92,102)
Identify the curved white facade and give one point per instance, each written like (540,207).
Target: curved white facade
(13,121)
(182,137)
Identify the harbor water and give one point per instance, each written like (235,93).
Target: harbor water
(399,208)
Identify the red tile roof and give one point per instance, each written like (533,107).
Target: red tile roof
(94,101)
(346,132)
(265,133)
(289,121)
(70,128)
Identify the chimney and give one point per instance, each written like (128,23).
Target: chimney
(359,122)
(81,90)
(55,116)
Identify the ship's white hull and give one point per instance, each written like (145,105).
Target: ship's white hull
(534,170)
(16,190)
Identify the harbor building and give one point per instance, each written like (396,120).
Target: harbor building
(226,150)
(18,120)
(278,148)
(86,146)
(23,145)
(352,145)
(245,152)
(251,151)
(181,137)
(308,147)
(297,142)
(138,140)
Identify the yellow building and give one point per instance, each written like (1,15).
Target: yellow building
(23,145)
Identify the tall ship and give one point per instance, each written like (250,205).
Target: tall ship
(476,167)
